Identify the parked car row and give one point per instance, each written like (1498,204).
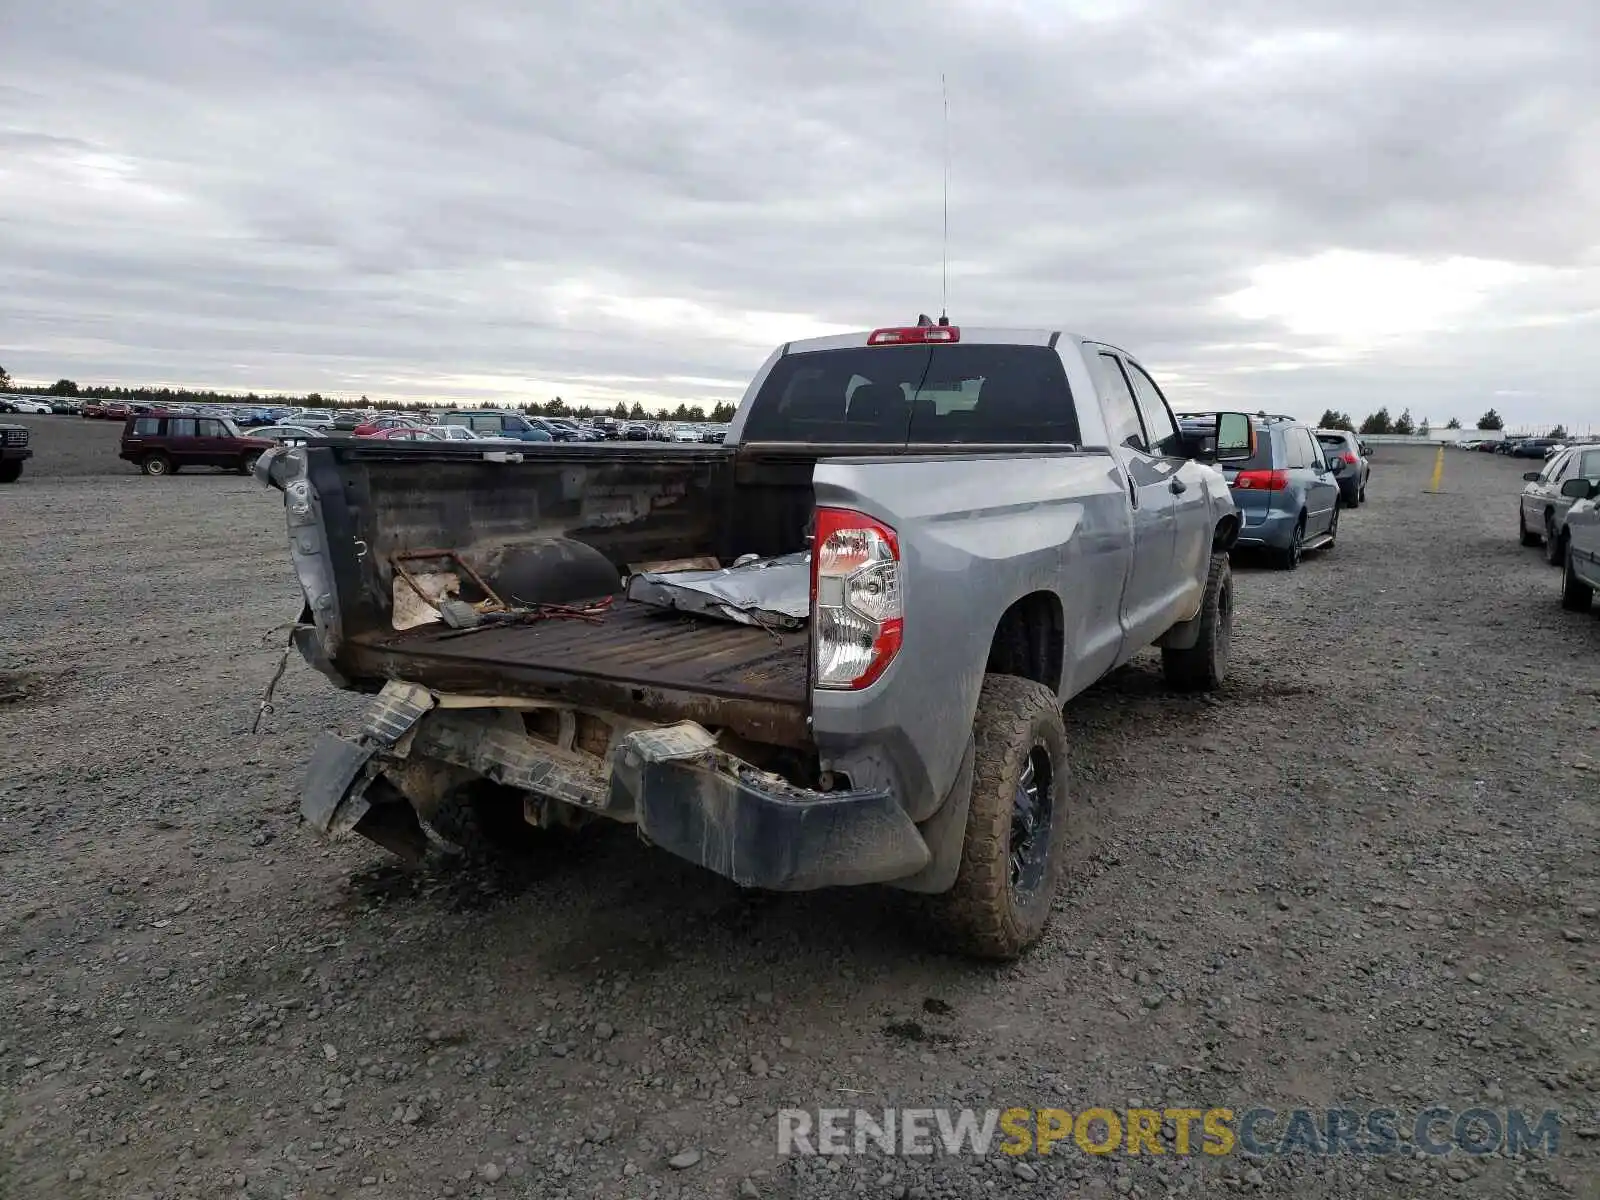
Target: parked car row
(1290,490)
(1556,511)
(1541,447)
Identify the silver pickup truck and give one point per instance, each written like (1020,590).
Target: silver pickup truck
(832,650)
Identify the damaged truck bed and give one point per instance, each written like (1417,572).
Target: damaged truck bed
(831,651)
(636,661)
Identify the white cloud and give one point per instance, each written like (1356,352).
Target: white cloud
(1354,300)
(1303,205)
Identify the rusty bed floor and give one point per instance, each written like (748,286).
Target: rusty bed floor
(633,644)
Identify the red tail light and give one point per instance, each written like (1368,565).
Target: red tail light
(1350,459)
(857,620)
(1262,481)
(914,335)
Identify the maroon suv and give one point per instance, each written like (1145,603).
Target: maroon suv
(161,443)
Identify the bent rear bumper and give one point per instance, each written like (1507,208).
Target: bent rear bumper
(758,831)
(674,783)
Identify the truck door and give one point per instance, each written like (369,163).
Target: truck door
(1147,595)
(1191,507)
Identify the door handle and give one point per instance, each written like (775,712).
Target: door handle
(1177,486)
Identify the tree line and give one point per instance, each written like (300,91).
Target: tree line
(557,407)
(1382,422)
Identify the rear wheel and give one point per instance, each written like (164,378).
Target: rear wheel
(1204,666)
(483,822)
(1015,844)
(156,464)
(1523,534)
(1333,528)
(1576,595)
(1289,557)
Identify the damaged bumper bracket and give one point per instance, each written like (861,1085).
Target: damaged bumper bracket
(333,799)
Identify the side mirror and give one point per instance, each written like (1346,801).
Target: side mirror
(1530,477)
(1236,437)
(1579,489)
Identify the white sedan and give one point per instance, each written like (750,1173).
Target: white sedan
(288,435)
(27,404)
(460,433)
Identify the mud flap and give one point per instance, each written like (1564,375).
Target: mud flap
(333,799)
(945,833)
(337,765)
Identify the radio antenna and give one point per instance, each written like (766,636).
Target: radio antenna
(944,244)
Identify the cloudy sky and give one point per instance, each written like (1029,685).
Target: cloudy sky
(1295,203)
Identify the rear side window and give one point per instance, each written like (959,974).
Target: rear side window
(1295,451)
(1122,416)
(943,395)
(147,426)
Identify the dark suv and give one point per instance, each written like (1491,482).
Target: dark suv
(13,451)
(163,443)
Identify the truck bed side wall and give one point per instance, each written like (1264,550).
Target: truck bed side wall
(978,534)
(640,509)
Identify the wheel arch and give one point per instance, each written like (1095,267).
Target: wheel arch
(1030,640)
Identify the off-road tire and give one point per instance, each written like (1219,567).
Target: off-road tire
(984,915)
(156,465)
(10,472)
(483,823)
(1204,666)
(248,463)
(1523,536)
(1576,595)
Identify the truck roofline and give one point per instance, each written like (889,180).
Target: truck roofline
(981,335)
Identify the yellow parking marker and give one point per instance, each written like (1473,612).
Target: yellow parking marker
(1438,472)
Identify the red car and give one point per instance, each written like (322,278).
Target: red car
(369,428)
(401,433)
(92,409)
(163,444)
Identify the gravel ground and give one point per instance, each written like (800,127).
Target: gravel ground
(1362,875)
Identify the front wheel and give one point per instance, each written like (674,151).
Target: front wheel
(1015,845)
(10,472)
(1576,595)
(1203,666)
(248,463)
